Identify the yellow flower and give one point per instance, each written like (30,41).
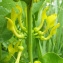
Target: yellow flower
(11,49)
(20,9)
(51,20)
(13,15)
(10,24)
(20,18)
(45,38)
(53,30)
(15,48)
(11,21)
(44,15)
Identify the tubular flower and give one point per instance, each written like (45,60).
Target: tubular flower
(13,15)
(11,22)
(10,26)
(51,20)
(19,8)
(44,16)
(53,30)
(45,38)
(20,18)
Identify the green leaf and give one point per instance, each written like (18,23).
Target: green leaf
(5,34)
(52,58)
(59,36)
(36,6)
(4,54)
(3,11)
(7,4)
(0,0)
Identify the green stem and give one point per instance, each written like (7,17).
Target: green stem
(18,57)
(0,50)
(16,34)
(29,19)
(40,53)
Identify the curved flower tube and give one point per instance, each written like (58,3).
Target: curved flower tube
(52,32)
(13,15)
(44,16)
(10,26)
(45,38)
(19,8)
(21,25)
(20,18)
(50,22)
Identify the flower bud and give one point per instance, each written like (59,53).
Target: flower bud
(37,62)
(21,48)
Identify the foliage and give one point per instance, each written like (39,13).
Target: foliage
(31,31)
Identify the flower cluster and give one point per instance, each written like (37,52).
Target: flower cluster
(50,24)
(11,22)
